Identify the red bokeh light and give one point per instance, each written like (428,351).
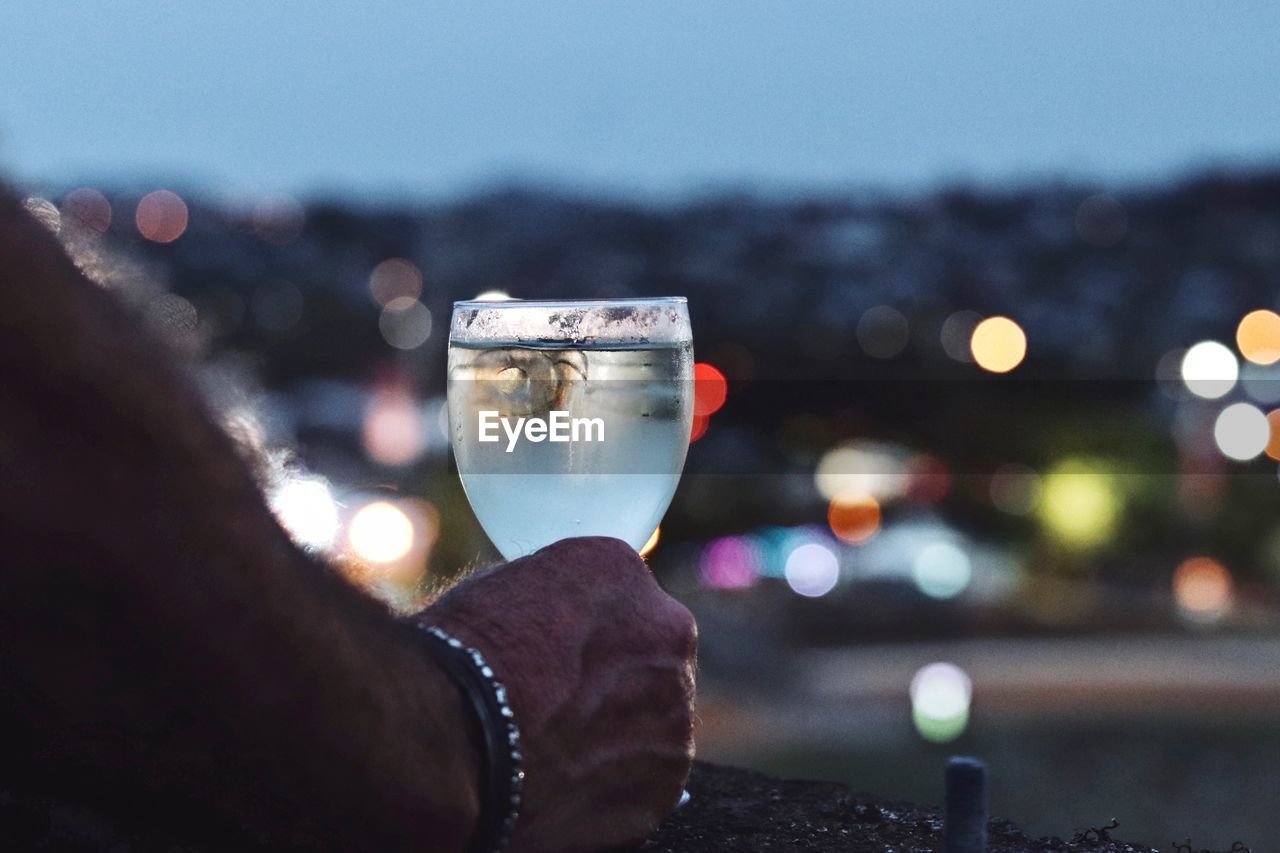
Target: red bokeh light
(700,425)
(710,389)
(161,216)
(930,480)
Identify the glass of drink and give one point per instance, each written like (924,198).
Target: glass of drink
(570,418)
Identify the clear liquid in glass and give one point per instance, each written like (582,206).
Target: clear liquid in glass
(616,479)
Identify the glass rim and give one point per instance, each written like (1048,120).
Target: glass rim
(634,301)
(629,322)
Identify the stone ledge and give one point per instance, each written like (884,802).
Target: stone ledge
(740,811)
(731,811)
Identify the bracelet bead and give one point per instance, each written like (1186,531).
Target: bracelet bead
(467,667)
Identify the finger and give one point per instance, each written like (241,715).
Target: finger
(594,557)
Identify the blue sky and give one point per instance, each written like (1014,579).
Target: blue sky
(427,99)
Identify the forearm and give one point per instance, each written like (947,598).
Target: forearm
(163,648)
(334,737)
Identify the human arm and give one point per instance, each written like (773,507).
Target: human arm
(170,659)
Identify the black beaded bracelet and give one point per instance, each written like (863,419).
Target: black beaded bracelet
(504,777)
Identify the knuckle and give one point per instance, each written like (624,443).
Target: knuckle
(677,727)
(682,627)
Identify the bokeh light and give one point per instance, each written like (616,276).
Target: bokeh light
(710,389)
(1209,370)
(1015,489)
(1203,589)
(854,516)
(393,431)
(928,479)
(395,278)
(998,344)
(1168,374)
(651,542)
(812,570)
(957,331)
(941,694)
(161,216)
(1242,432)
(730,562)
(88,208)
(1273,440)
(171,316)
(405,323)
(380,532)
(875,469)
(775,545)
(277,219)
(882,332)
(941,570)
(1258,336)
(698,428)
(493,296)
(389,543)
(305,507)
(1080,504)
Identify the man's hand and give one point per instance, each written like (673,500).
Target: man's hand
(599,662)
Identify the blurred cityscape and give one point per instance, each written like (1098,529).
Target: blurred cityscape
(973,470)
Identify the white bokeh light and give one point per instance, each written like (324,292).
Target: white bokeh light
(1242,432)
(405,323)
(306,508)
(380,532)
(940,697)
(941,570)
(867,467)
(1210,370)
(812,570)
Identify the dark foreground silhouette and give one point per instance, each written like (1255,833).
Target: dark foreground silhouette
(171,664)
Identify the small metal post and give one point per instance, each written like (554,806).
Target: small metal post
(964,828)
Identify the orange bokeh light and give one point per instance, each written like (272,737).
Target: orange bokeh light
(710,389)
(380,532)
(1273,444)
(854,516)
(395,278)
(1258,337)
(998,344)
(161,216)
(1203,588)
(651,543)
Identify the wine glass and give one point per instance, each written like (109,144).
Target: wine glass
(570,418)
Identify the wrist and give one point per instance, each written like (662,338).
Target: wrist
(492,731)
